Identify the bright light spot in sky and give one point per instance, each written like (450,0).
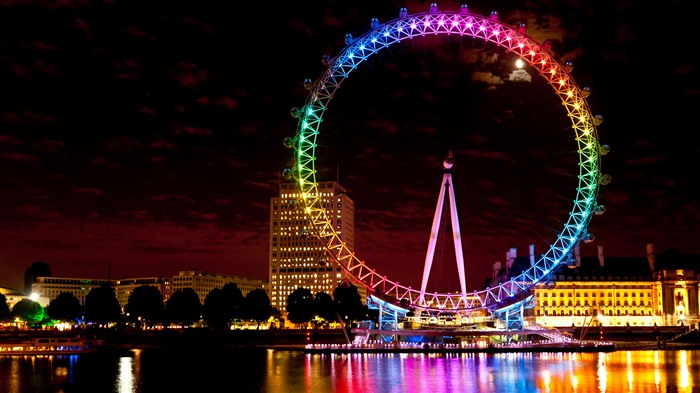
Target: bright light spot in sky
(519,63)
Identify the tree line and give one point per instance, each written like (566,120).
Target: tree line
(221,308)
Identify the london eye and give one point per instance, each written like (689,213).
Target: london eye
(515,41)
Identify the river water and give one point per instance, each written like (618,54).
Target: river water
(281,371)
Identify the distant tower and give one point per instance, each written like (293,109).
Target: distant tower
(37,269)
(446,188)
(296,256)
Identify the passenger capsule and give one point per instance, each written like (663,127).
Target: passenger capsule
(464,9)
(599,210)
(348,39)
(307,84)
(569,66)
(288,142)
(433,8)
(374,23)
(494,15)
(522,28)
(326,60)
(304,233)
(295,112)
(287,173)
(598,120)
(586,92)
(588,237)
(604,149)
(605,180)
(547,45)
(403,12)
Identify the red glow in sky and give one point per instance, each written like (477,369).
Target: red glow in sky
(139,141)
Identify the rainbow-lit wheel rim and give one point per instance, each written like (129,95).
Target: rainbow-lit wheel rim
(489,29)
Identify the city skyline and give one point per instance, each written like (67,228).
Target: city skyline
(150,140)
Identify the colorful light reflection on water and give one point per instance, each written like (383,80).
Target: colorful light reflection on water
(260,370)
(624,371)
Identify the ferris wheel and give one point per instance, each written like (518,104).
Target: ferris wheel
(489,29)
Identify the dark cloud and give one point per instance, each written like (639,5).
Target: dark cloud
(150,135)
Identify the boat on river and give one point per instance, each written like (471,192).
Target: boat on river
(46,346)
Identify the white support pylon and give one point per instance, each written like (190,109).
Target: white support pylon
(456,236)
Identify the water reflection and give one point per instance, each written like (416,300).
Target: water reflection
(128,372)
(626,371)
(683,372)
(290,372)
(125,377)
(602,373)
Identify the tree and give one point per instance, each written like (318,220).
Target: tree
(4,308)
(145,305)
(66,308)
(300,306)
(257,306)
(102,306)
(183,307)
(29,311)
(348,302)
(324,307)
(214,309)
(223,305)
(233,300)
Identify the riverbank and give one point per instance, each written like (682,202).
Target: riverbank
(335,340)
(654,345)
(202,337)
(187,337)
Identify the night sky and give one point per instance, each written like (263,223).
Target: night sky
(144,138)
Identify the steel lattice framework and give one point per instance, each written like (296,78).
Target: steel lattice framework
(489,29)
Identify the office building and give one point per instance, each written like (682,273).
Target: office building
(48,288)
(296,257)
(204,282)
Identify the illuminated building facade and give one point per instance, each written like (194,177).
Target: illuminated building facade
(659,290)
(48,288)
(204,282)
(296,256)
(124,287)
(12,296)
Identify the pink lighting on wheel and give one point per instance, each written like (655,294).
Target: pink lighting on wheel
(528,53)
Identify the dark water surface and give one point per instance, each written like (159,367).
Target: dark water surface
(261,370)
